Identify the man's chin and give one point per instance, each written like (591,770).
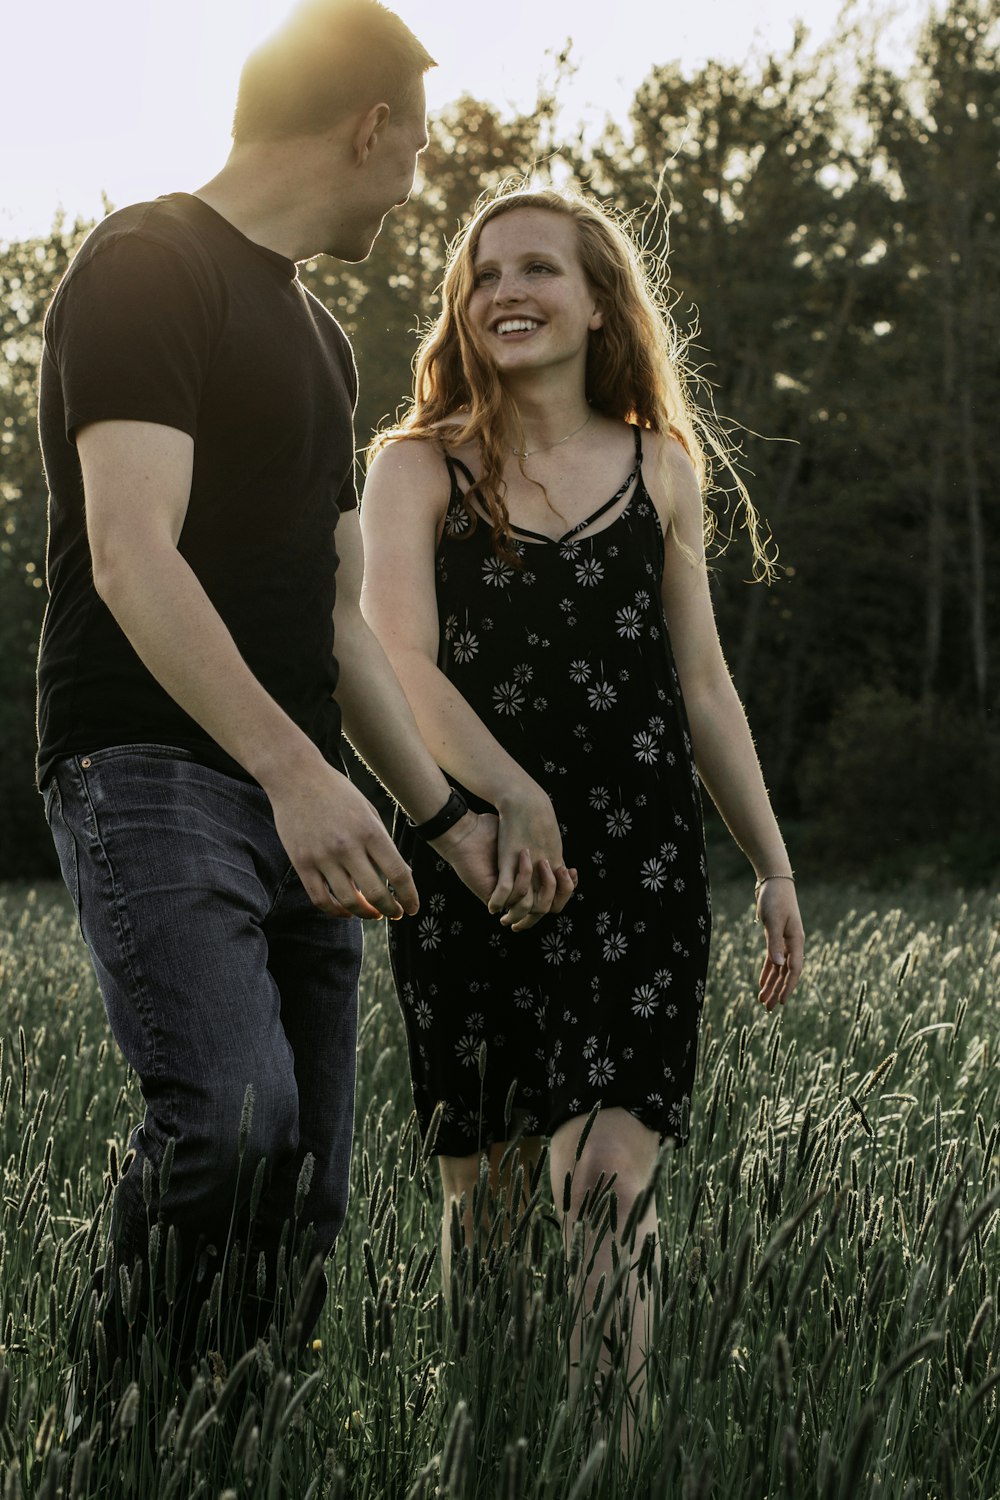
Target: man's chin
(357,248)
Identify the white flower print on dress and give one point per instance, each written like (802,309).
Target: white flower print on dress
(600,797)
(644,1000)
(603,923)
(467,1050)
(579,671)
(669,852)
(663,977)
(553,948)
(429,932)
(524,997)
(523,673)
(422,1014)
(653,874)
(619,823)
(497,573)
(465,647)
(629,622)
(589,573)
(602,696)
(456,521)
(602,1070)
(646,748)
(615,947)
(508,698)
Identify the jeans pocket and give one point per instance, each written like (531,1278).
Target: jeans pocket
(65,842)
(145,751)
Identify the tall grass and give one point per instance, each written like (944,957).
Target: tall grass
(827,1303)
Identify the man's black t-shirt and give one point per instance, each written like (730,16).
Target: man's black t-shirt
(169,314)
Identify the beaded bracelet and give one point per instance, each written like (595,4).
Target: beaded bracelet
(765,878)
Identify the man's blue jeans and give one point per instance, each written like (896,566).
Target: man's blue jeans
(217,972)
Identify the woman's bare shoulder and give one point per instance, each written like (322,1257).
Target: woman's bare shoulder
(666,453)
(421,459)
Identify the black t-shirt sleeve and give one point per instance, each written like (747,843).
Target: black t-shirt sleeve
(131,334)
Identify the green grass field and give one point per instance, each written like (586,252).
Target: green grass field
(828,1303)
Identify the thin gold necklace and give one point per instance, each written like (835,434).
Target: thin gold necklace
(530,452)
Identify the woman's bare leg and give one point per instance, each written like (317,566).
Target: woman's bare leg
(621,1151)
(459,1178)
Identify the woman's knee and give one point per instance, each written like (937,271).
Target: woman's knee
(617,1160)
(460,1177)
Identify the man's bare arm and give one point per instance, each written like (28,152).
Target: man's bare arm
(137,481)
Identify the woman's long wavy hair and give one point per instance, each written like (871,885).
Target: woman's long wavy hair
(636,368)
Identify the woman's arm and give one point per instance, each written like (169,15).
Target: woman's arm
(723,746)
(402,513)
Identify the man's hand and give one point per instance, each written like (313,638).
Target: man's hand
(339,847)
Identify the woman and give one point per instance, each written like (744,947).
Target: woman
(535,569)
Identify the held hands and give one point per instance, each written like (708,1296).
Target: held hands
(778,910)
(471,848)
(532,878)
(350,867)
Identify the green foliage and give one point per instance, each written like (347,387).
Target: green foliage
(29,273)
(827,1303)
(915,787)
(834,260)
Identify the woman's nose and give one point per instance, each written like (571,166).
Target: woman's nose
(508,289)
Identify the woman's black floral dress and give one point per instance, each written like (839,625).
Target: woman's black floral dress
(567,660)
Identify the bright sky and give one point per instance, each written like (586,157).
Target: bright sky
(135,96)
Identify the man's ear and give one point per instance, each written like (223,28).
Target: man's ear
(367,131)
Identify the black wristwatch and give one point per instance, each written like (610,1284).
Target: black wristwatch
(456,807)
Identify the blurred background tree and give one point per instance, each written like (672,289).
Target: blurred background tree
(832,235)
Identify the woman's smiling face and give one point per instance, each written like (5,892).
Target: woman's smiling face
(531,306)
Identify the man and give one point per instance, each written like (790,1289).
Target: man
(199,656)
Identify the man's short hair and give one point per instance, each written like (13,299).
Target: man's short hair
(330,59)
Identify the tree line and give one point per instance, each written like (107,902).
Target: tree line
(830,227)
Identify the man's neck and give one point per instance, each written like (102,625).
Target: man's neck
(261,192)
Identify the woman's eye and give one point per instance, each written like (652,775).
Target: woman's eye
(483,276)
(539,265)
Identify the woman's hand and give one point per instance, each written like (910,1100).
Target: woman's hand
(470,847)
(532,877)
(778,910)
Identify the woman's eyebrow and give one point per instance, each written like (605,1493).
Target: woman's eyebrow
(522,256)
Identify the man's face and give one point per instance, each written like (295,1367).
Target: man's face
(384,180)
